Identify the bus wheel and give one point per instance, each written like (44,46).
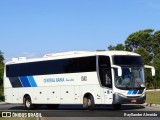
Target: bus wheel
(28,103)
(90,102)
(117,106)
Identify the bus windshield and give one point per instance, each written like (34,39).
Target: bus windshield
(132,72)
(132,78)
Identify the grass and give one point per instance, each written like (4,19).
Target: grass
(153,97)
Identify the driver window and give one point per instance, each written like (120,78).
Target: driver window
(105,71)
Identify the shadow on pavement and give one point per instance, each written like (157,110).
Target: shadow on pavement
(79,107)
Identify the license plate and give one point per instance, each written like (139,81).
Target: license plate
(133,101)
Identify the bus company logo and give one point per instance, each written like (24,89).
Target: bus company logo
(83,78)
(46,80)
(6,114)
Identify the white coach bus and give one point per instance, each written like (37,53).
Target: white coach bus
(78,77)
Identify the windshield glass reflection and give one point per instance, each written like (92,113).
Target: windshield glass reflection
(132,77)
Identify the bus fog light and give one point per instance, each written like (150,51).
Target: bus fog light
(121,95)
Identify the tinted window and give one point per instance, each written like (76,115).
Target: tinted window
(127,60)
(105,71)
(83,64)
(87,64)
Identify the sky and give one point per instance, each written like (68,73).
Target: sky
(32,28)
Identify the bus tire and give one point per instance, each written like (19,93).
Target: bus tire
(90,103)
(28,103)
(117,106)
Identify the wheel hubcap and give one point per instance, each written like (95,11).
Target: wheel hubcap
(28,103)
(89,102)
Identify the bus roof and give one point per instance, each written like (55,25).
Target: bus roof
(71,54)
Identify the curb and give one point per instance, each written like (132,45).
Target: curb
(152,90)
(2,103)
(152,105)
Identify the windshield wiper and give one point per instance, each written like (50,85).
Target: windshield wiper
(138,83)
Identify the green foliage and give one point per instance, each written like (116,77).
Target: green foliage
(1,94)
(147,44)
(142,38)
(118,47)
(156,43)
(1,68)
(156,64)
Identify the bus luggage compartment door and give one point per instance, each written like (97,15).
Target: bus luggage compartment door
(67,95)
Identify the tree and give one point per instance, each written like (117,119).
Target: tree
(117,47)
(1,68)
(156,43)
(156,63)
(142,38)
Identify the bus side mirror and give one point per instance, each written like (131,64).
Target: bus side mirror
(152,69)
(119,69)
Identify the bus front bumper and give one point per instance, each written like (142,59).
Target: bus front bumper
(121,99)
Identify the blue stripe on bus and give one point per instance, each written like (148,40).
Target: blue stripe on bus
(135,92)
(130,92)
(24,81)
(32,81)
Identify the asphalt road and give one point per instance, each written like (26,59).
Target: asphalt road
(77,112)
(79,108)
